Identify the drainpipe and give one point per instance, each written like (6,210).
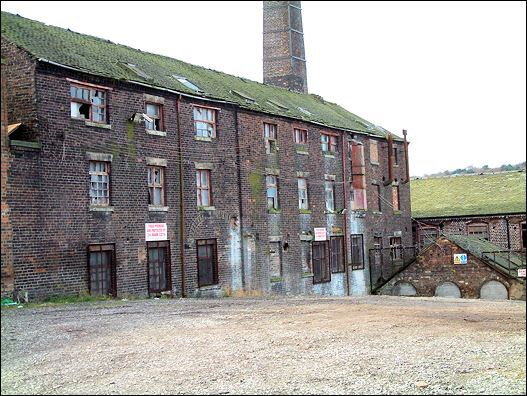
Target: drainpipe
(181,200)
(344,151)
(406,158)
(240,206)
(508,233)
(390,161)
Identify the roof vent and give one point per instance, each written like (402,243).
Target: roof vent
(277,105)
(187,83)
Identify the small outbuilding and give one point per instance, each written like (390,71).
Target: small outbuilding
(460,266)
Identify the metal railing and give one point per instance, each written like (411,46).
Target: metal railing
(508,261)
(385,262)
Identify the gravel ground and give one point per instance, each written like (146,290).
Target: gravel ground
(293,345)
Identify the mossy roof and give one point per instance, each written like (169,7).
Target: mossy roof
(104,58)
(467,195)
(481,248)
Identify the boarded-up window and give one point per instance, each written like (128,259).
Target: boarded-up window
(320,257)
(275,265)
(101,269)
(158,266)
(377,198)
(330,195)
(358,176)
(377,245)
(480,230)
(207,262)
(427,236)
(395,195)
(337,254)
(374,152)
(357,253)
(305,252)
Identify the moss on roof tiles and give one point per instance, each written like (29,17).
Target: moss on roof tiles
(102,57)
(467,195)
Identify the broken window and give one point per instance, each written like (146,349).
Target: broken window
(101,269)
(357,253)
(271,183)
(395,197)
(203,188)
(300,136)
(205,121)
(395,248)
(155,112)
(330,195)
(321,272)
(270,138)
(187,83)
(207,262)
(158,266)
(156,188)
(275,264)
(480,230)
(88,103)
(329,142)
(337,254)
(99,183)
(302,194)
(374,152)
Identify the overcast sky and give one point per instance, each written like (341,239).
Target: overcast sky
(452,74)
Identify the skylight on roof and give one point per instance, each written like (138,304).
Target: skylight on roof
(244,96)
(306,111)
(187,83)
(364,124)
(133,68)
(278,105)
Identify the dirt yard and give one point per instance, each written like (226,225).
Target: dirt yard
(296,345)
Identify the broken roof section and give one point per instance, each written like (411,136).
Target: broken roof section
(468,195)
(100,57)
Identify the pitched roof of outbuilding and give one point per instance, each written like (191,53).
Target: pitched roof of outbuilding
(467,195)
(103,58)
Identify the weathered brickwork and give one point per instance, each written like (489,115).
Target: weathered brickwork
(496,224)
(258,250)
(436,265)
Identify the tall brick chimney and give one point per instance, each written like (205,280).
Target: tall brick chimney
(284,63)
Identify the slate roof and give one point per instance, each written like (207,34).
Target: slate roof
(507,262)
(103,58)
(467,195)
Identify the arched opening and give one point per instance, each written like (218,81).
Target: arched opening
(493,290)
(447,289)
(403,288)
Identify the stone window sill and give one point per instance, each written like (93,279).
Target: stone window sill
(397,212)
(94,208)
(276,279)
(304,211)
(374,163)
(156,208)
(206,208)
(155,133)
(307,275)
(330,154)
(210,287)
(274,211)
(97,125)
(302,152)
(376,212)
(203,138)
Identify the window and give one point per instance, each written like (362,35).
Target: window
(377,198)
(158,266)
(377,245)
(337,254)
(357,253)
(88,103)
(305,257)
(329,142)
(203,188)
(300,136)
(99,183)
(270,137)
(523,236)
(321,271)
(207,262)
(302,194)
(156,183)
(330,195)
(374,152)
(187,83)
(395,156)
(395,196)
(271,183)
(479,229)
(395,248)
(426,236)
(205,121)
(358,175)
(155,112)
(101,269)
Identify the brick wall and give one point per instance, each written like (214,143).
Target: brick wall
(436,265)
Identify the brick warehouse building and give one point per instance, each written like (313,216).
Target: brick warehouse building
(125,172)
